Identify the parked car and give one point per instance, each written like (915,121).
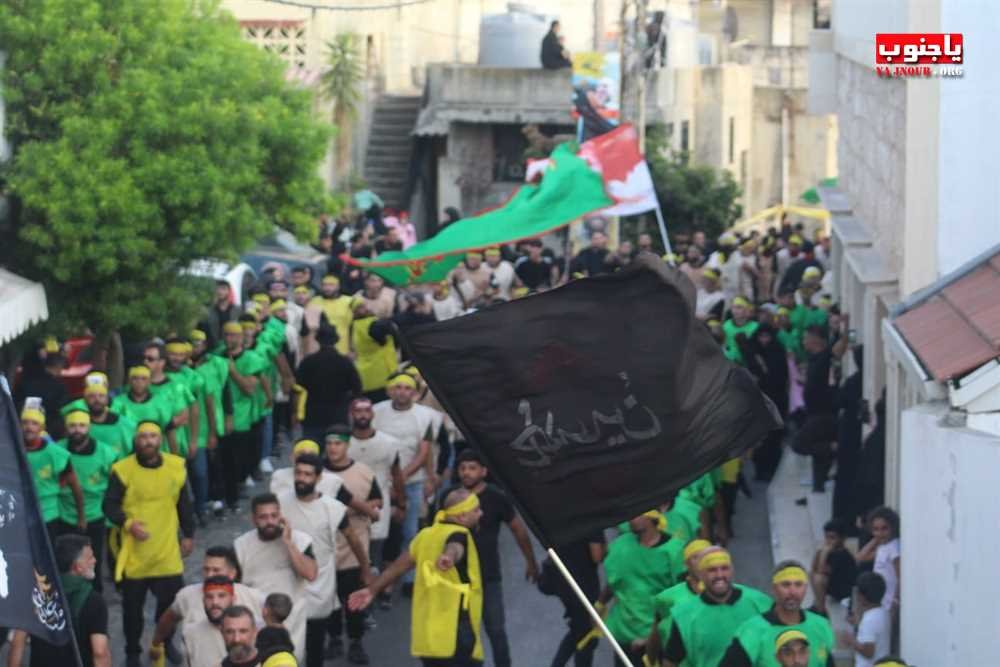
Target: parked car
(283,248)
(241,277)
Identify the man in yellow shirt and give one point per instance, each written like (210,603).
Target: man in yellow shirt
(337,309)
(148,504)
(448,591)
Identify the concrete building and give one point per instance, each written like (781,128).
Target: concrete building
(916,206)
(792,148)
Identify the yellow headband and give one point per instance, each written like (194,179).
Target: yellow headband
(713,322)
(248,326)
(694,546)
(783,311)
(177,348)
(492,252)
(789,636)
(402,380)
(890,663)
(331,280)
(301,289)
(278,304)
(715,559)
(740,301)
(473,255)
(197,335)
(283,659)
(470,503)
(790,573)
(413,372)
(812,271)
(232,327)
(148,428)
(659,518)
(139,372)
(795,239)
(305,447)
(51,345)
(33,415)
(261,298)
(95,383)
(78,417)
(711,274)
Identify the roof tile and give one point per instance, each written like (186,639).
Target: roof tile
(943,338)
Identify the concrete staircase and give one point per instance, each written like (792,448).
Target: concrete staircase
(387,161)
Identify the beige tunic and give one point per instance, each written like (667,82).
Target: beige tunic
(188,604)
(378,452)
(358,479)
(268,568)
(320,519)
(203,643)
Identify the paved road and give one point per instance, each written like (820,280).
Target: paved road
(534,621)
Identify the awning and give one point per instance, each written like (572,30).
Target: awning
(22,303)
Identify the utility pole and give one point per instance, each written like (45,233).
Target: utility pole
(598,25)
(641,92)
(633,66)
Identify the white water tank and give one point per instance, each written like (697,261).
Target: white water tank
(513,39)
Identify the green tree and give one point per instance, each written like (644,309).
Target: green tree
(693,197)
(146,134)
(341,84)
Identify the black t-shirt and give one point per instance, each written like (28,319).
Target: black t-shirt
(496,509)
(534,274)
(592,262)
(820,396)
(331,381)
(93,620)
(577,559)
(843,572)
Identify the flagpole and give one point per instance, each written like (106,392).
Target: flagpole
(663,230)
(589,607)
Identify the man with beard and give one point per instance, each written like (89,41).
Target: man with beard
(187,609)
(666,600)
(702,628)
(88,611)
(374,349)
(51,469)
(471,279)
(359,480)
(754,640)
(148,503)
(277,559)
(322,518)
(106,426)
(222,310)
(240,634)
(91,461)
(448,594)
(496,509)
(640,564)
(379,451)
(336,307)
(138,404)
(238,447)
(184,406)
(203,641)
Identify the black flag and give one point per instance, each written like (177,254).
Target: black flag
(594,402)
(31,597)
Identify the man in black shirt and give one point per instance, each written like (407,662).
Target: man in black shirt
(76,562)
(331,382)
(49,387)
(819,432)
(553,55)
(582,558)
(536,271)
(595,260)
(496,509)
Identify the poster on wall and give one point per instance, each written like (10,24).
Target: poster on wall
(596,86)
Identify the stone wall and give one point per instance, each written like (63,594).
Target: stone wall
(871,153)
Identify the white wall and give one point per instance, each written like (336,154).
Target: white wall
(950,541)
(855,23)
(969,183)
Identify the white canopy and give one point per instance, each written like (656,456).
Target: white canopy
(22,303)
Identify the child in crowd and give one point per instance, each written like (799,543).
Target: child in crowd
(833,566)
(872,639)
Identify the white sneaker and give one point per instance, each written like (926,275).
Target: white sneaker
(266,466)
(249,483)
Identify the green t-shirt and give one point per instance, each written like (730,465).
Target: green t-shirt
(242,406)
(156,409)
(265,348)
(48,463)
(116,432)
(665,601)
(684,519)
(792,342)
(93,471)
(701,491)
(195,385)
(635,575)
(731,349)
(180,397)
(708,628)
(757,635)
(213,371)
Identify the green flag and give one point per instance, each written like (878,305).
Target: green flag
(570,189)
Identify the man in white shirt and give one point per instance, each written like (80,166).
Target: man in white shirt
(503,273)
(874,635)
(709,296)
(321,518)
(444,303)
(277,559)
(414,426)
(203,641)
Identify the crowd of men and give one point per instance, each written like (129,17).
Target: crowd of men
(382,493)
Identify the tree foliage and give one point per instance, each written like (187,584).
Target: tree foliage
(341,84)
(146,134)
(693,197)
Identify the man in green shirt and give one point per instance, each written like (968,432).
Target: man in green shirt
(51,469)
(106,426)
(213,371)
(640,564)
(91,461)
(754,641)
(702,628)
(138,404)
(184,407)
(666,600)
(738,329)
(238,447)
